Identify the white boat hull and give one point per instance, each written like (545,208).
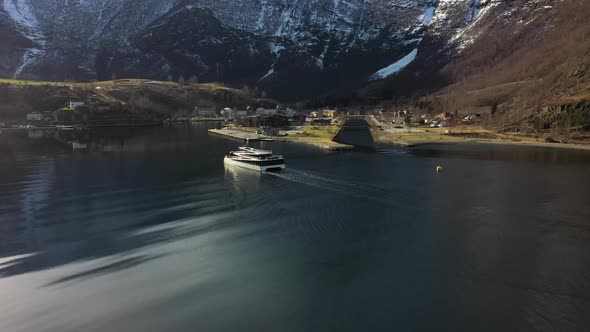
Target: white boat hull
(232,162)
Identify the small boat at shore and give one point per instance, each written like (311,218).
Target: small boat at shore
(255,159)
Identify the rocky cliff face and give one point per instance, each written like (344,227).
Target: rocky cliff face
(292,49)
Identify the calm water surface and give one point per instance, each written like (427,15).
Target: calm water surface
(147,231)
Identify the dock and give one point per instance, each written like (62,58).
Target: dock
(239,134)
(253,137)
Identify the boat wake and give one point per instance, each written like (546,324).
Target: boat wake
(342,186)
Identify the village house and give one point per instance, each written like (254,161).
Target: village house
(227,113)
(76,104)
(274,121)
(289,112)
(230,114)
(446,116)
(205,112)
(266,111)
(329,113)
(324,114)
(35,116)
(249,121)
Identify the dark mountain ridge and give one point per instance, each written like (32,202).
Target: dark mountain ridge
(522,57)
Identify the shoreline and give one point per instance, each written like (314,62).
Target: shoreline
(332,146)
(399,140)
(403,141)
(469,135)
(79,126)
(571,146)
(499,141)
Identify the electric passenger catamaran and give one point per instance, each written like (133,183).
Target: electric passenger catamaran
(258,160)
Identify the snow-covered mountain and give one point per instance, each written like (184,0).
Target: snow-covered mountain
(290,48)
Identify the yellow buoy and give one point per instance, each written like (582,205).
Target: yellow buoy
(439,168)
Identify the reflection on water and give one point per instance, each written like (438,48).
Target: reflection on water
(537,155)
(242,177)
(146,230)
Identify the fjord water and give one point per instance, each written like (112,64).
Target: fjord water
(147,231)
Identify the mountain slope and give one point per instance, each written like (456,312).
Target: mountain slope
(291,48)
(531,62)
(327,50)
(124,98)
(11,44)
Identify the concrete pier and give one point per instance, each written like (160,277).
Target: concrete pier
(253,137)
(238,134)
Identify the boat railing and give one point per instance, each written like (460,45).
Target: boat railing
(254,156)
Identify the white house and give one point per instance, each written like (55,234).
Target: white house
(289,112)
(75,104)
(227,113)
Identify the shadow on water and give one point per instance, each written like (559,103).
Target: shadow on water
(119,265)
(112,245)
(357,132)
(69,207)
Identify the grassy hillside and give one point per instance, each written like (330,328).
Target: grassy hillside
(532,70)
(18,97)
(528,65)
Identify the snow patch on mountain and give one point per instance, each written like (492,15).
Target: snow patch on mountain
(30,57)
(268,74)
(428,16)
(469,33)
(396,67)
(21,13)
